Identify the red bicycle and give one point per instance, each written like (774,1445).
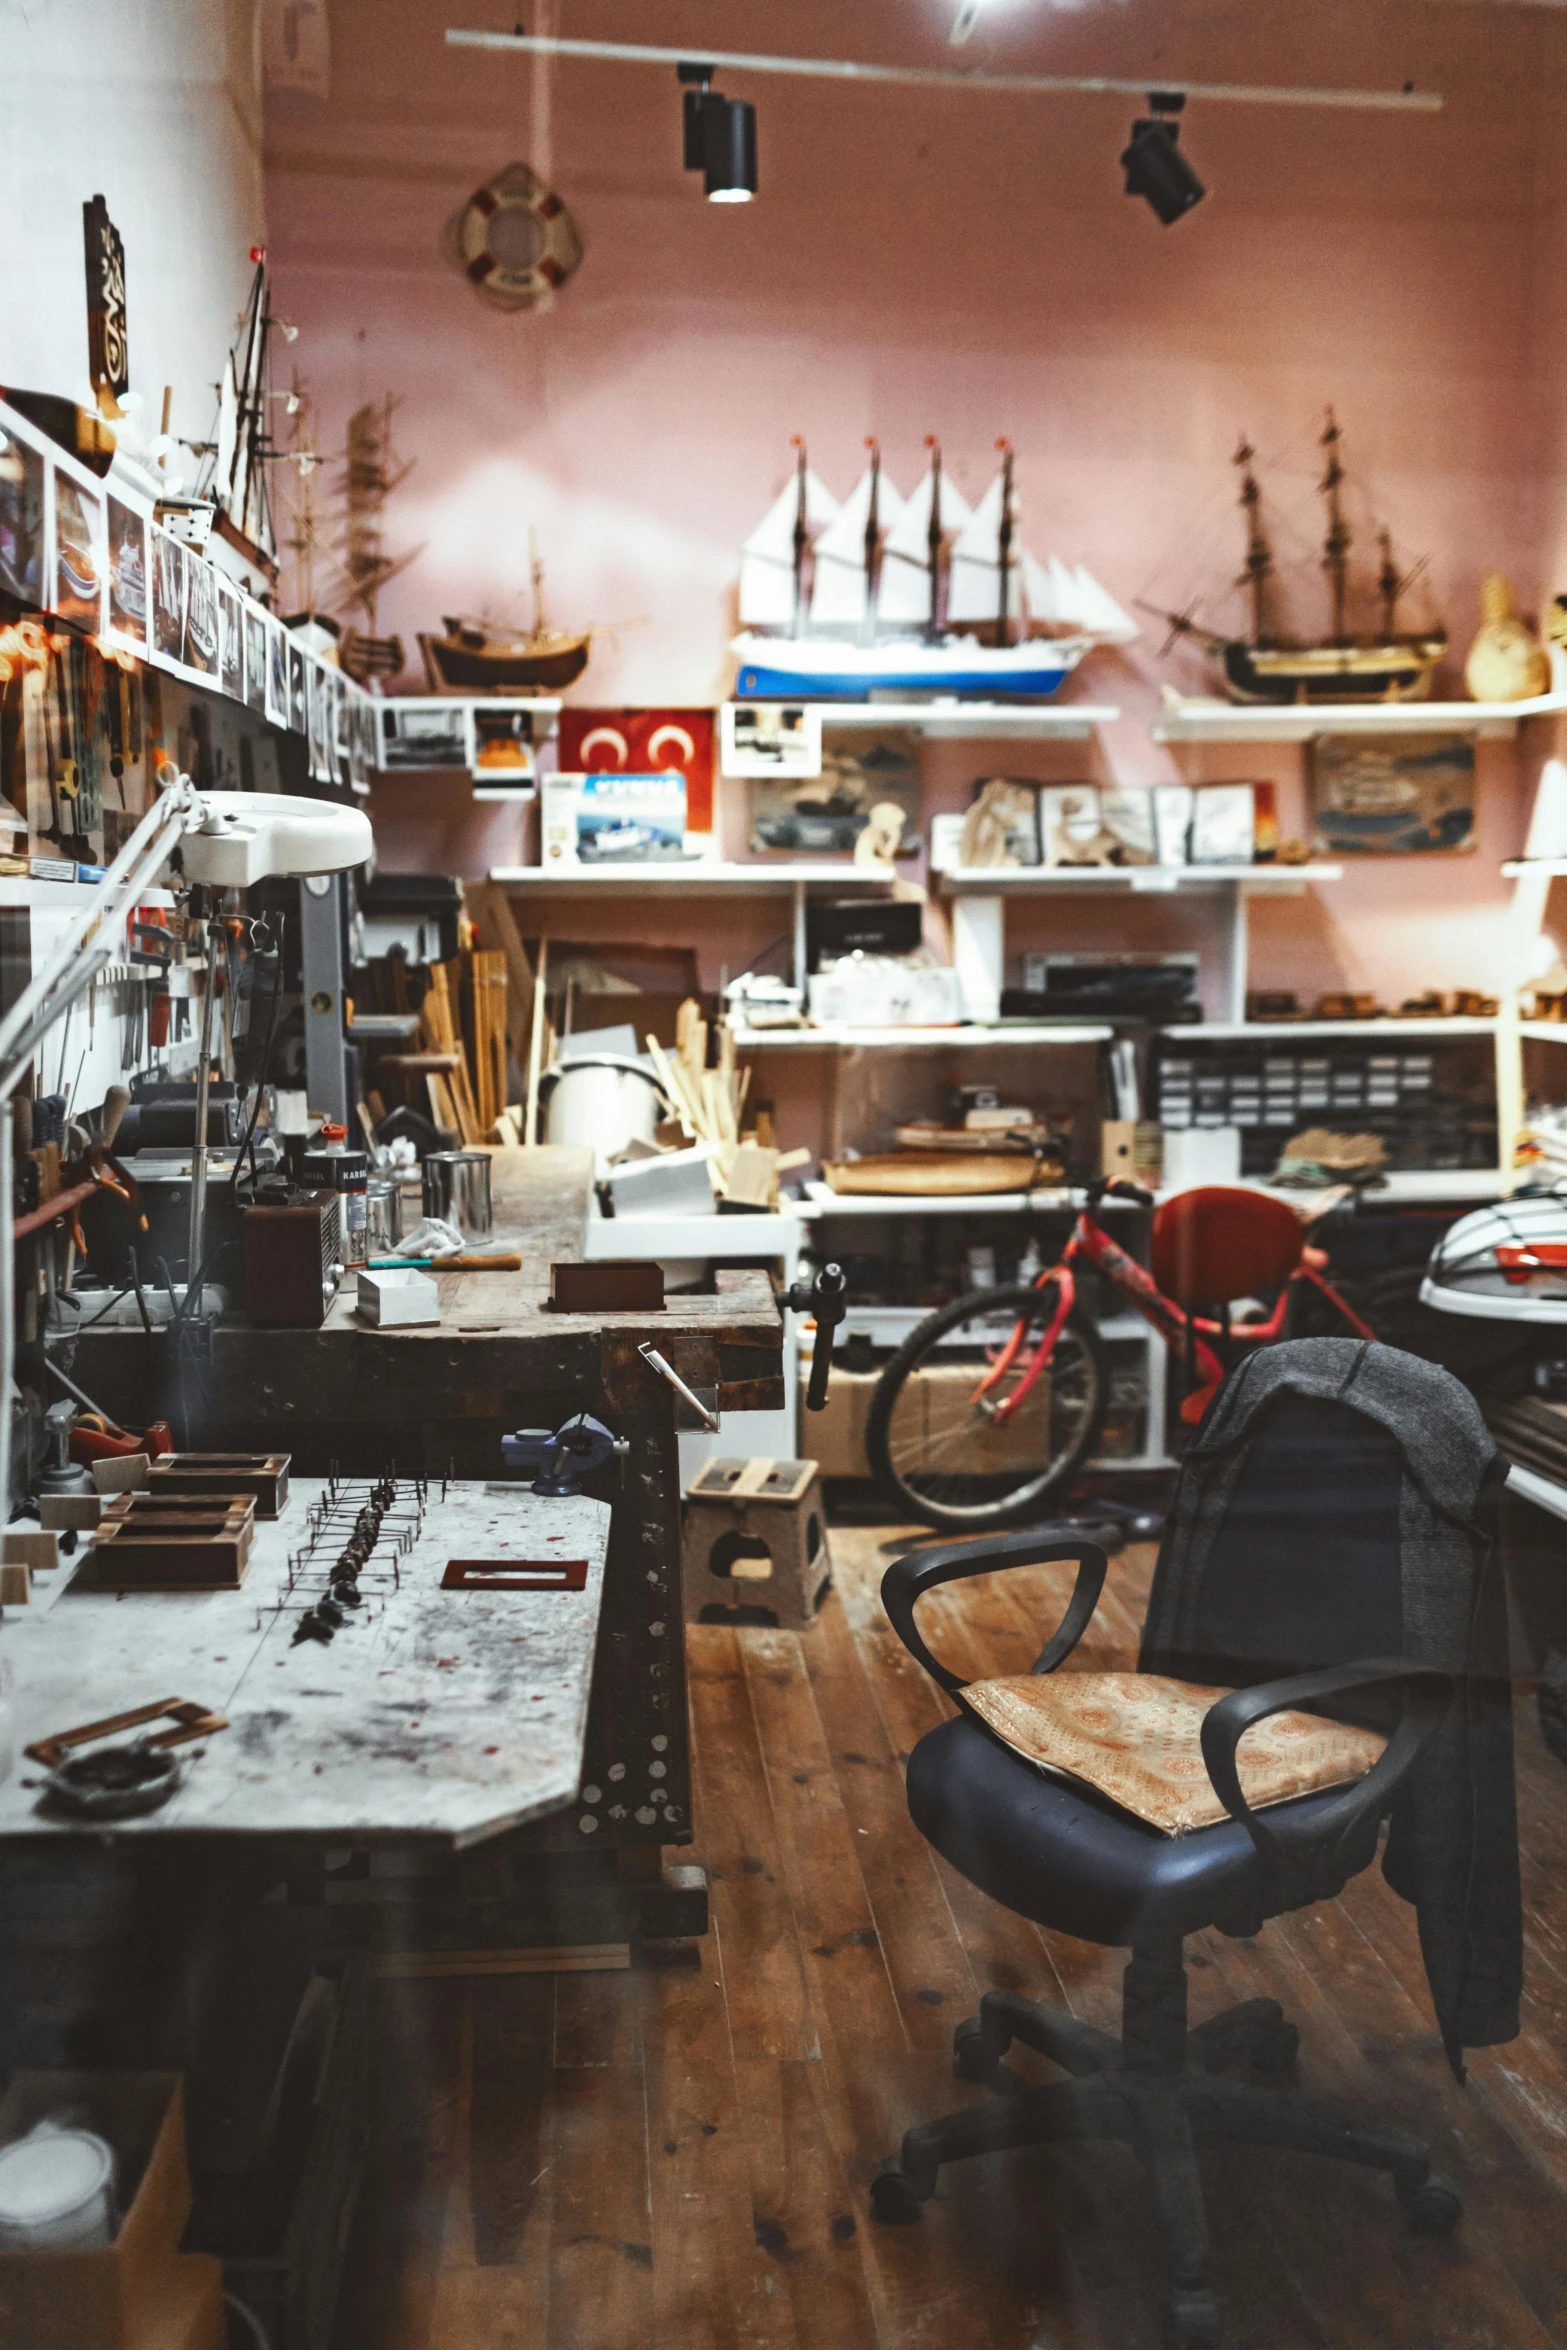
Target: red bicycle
(991,1405)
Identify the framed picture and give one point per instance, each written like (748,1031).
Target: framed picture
(202,649)
(629,742)
(277,701)
(771,738)
(1394,795)
(127,575)
(255,627)
(865,775)
(231,641)
(80,557)
(168,597)
(21,520)
(298,689)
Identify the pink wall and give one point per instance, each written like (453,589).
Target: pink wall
(968,265)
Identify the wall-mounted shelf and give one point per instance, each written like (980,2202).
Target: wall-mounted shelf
(954,721)
(1544,1031)
(821,1200)
(989,881)
(700,875)
(1281,1031)
(1519,868)
(911,1039)
(1251,722)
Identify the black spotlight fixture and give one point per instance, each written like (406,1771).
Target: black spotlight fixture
(1154,165)
(719,138)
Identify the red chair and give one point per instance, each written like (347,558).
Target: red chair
(1215,1244)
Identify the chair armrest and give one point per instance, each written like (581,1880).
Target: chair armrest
(908,1579)
(1427,1696)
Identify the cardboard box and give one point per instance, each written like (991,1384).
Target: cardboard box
(188,2313)
(117,2298)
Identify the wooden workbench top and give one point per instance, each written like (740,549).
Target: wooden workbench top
(433,1713)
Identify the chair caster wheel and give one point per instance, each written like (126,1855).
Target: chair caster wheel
(1275,2050)
(972,2060)
(893,2199)
(1432,2209)
(1192,2321)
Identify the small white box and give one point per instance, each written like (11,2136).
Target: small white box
(1196,1155)
(397,1297)
(675,1183)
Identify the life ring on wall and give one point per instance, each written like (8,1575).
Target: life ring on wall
(514,240)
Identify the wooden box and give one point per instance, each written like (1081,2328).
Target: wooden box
(120,2298)
(261,1475)
(614,1285)
(184,1543)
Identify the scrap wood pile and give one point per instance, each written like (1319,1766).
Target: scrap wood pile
(709,1109)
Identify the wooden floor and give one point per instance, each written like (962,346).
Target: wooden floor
(680,2159)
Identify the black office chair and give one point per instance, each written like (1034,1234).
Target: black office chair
(1300,1604)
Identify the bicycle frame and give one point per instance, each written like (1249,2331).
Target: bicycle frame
(1136,1284)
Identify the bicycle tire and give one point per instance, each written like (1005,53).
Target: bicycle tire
(1014,1504)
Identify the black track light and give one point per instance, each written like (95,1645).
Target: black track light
(1154,165)
(729,164)
(719,137)
(696,81)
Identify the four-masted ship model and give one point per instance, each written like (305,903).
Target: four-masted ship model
(1383,664)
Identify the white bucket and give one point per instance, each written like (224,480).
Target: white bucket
(56,2192)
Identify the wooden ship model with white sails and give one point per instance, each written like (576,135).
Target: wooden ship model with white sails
(886,596)
(1382,664)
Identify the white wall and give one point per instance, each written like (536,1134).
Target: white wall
(155,104)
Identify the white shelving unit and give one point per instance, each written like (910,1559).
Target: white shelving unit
(979,901)
(906,1040)
(1282,1030)
(954,721)
(1253,722)
(700,876)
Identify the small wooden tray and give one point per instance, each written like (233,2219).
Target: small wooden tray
(935,1175)
(142,1548)
(263,1476)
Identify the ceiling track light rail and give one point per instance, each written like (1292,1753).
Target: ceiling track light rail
(1405,101)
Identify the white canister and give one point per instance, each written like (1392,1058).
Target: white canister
(56,2192)
(604,1103)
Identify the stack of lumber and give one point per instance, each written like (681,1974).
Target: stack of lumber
(451,1094)
(709,1106)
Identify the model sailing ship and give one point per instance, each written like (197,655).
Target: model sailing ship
(243,446)
(1381,665)
(879,595)
(475,657)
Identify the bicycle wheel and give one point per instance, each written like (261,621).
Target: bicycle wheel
(935,1440)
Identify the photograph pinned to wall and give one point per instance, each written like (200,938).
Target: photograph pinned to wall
(298,689)
(255,627)
(1001,827)
(1172,822)
(1126,812)
(642,742)
(201,616)
(21,520)
(277,672)
(864,772)
(1071,827)
(80,559)
(127,576)
(231,641)
(770,738)
(168,597)
(316,722)
(1391,795)
(1224,824)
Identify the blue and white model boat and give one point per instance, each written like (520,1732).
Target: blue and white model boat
(877,596)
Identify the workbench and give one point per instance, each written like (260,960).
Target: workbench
(437,1401)
(449,1715)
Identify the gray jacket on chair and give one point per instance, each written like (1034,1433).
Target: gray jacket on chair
(1452,1848)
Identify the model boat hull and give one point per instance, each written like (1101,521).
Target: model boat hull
(1394,670)
(454,668)
(815,669)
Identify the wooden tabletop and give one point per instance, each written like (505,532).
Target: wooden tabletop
(432,1713)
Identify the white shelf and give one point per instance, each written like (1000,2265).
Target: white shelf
(1020,880)
(1252,722)
(699,876)
(19,890)
(1411,1189)
(1544,1031)
(902,1040)
(1227,1031)
(891,1325)
(821,1201)
(1518,868)
(643,1237)
(955,721)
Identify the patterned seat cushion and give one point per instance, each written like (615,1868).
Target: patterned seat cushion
(1137,1738)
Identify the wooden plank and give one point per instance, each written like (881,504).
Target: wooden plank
(598,2021)
(496,927)
(806,2221)
(769,2012)
(601,2251)
(509,2184)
